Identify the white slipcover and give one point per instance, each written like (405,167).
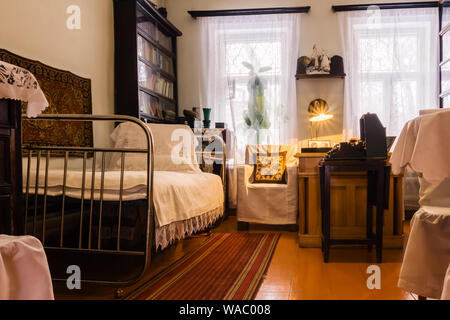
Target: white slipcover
(446,287)
(424,147)
(24,272)
(268,203)
(427,253)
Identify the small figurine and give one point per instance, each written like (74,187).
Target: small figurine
(325,62)
(315,58)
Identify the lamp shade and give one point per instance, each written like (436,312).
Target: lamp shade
(318,110)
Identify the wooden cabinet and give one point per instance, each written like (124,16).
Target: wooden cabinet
(10,166)
(348,205)
(145,62)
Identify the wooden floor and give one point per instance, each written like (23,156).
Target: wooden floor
(294,273)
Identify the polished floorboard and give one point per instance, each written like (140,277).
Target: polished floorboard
(293,274)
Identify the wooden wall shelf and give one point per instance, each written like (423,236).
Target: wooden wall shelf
(319,76)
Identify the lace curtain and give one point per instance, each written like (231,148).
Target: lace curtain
(248,79)
(445,70)
(391,60)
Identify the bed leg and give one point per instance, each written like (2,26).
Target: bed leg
(243,226)
(118,293)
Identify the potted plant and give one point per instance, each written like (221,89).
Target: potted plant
(256,116)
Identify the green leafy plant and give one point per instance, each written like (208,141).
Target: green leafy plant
(256,116)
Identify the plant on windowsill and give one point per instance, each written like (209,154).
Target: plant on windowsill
(256,116)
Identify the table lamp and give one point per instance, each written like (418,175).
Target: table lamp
(318,112)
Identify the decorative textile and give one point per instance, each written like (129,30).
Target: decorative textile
(66,93)
(423,145)
(270,168)
(268,203)
(19,84)
(177,230)
(24,272)
(264,42)
(227,266)
(391,59)
(427,253)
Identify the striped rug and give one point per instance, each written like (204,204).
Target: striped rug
(227,266)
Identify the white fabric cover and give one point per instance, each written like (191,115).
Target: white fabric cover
(427,253)
(411,191)
(20,84)
(176,195)
(174,147)
(24,272)
(424,146)
(446,287)
(268,203)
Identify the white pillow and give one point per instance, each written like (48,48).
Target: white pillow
(174,147)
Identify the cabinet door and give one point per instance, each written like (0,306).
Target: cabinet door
(349,205)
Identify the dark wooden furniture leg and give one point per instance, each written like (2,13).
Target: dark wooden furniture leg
(326,212)
(380,210)
(322,207)
(370,203)
(243,226)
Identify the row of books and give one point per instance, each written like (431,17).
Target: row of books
(151,106)
(147,51)
(165,63)
(152,55)
(150,29)
(164,40)
(164,88)
(152,81)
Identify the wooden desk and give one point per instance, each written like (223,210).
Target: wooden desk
(348,204)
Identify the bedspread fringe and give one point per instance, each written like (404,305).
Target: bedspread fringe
(168,234)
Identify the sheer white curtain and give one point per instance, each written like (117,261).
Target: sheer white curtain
(391,60)
(445,70)
(231,48)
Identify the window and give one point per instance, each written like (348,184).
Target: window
(391,66)
(268,44)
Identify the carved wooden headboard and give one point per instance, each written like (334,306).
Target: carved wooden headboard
(66,93)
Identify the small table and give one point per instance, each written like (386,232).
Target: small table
(378,175)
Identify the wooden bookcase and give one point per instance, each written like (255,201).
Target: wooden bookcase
(145,62)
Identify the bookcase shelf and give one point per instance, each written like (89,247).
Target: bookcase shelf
(145,62)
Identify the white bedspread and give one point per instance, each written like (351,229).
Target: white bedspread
(24,272)
(176,195)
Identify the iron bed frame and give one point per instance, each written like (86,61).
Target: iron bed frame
(93,253)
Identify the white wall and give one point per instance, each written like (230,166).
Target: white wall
(37,30)
(319,26)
